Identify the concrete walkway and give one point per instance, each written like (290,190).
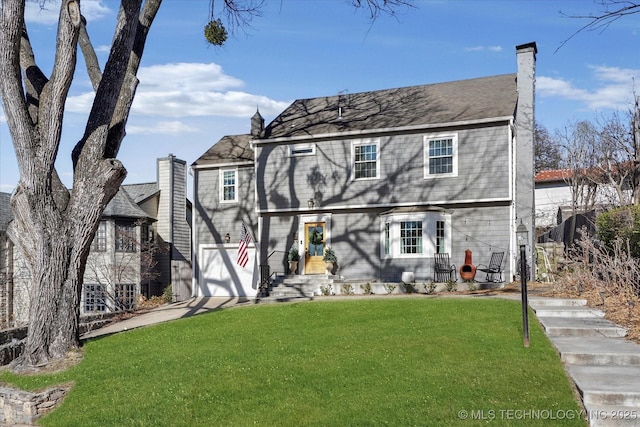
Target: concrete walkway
(169,312)
(603,364)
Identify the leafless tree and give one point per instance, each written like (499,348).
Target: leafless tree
(609,12)
(547,150)
(53,228)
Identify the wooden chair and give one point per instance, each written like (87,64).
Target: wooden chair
(494,269)
(443,269)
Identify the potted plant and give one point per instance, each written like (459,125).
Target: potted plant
(330,259)
(293,257)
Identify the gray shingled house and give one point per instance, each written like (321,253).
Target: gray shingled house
(142,245)
(387,179)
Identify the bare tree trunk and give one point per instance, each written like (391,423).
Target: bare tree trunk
(52,228)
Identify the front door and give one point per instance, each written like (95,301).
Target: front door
(315,234)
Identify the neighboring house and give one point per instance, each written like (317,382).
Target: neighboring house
(385,178)
(557,198)
(142,245)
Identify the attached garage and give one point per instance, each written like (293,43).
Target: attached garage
(220,274)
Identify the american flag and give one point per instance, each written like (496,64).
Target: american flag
(245,239)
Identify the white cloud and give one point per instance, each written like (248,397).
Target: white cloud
(483,48)
(614,88)
(188,90)
(46,12)
(165,128)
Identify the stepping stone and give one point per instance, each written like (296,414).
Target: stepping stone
(581,327)
(598,351)
(608,386)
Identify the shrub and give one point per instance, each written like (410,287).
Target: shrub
(167,294)
(408,287)
(389,287)
(366,288)
(451,285)
(326,290)
(347,288)
(621,224)
(294,255)
(329,255)
(430,287)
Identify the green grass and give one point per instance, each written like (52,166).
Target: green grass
(352,362)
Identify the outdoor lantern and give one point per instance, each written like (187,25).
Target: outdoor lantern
(311,203)
(522,236)
(227,238)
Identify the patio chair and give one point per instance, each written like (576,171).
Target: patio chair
(444,270)
(494,269)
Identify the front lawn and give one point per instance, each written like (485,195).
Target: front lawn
(349,362)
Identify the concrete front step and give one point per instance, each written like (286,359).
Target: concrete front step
(556,302)
(598,351)
(300,290)
(581,327)
(612,416)
(568,311)
(608,386)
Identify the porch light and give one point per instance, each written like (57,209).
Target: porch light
(227,238)
(522,236)
(311,203)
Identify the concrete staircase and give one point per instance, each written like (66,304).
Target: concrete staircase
(604,365)
(298,287)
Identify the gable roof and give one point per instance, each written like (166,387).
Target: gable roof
(440,103)
(229,149)
(141,192)
(123,206)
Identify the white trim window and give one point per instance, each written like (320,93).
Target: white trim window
(415,235)
(440,155)
(299,150)
(228,185)
(411,237)
(365,156)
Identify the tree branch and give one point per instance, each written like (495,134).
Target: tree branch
(604,19)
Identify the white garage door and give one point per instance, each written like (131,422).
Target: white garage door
(221,276)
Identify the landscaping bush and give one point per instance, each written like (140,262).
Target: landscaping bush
(620,225)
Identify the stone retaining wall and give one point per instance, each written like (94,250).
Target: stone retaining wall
(25,407)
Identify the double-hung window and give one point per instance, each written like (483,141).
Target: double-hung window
(441,156)
(126,237)
(411,237)
(366,159)
(228,185)
(99,243)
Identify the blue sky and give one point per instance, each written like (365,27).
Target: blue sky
(191,94)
